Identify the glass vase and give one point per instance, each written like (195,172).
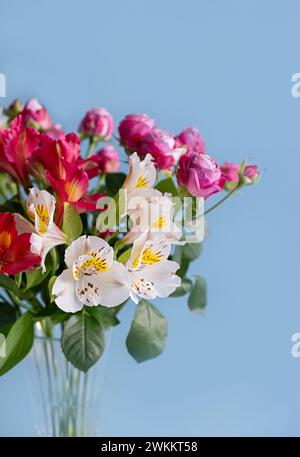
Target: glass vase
(66,400)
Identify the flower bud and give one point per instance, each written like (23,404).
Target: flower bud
(3,118)
(108,159)
(230,172)
(36,115)
(251,175)
(97,122)
(15,108)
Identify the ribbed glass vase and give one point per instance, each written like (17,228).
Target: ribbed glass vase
(66,400)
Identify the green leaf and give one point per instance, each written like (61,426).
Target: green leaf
(184,255)
(18,342)
(34,278)
(184,288)
(114,182)
(167,185)
(9,284)
(125,256)
(148,333)
(198,297)
(72,224)
(106,316)
(192,251)
(181,260)
(7,315)
(83,340)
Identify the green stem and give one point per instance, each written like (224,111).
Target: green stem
(221,201)
(18,302)
(92,144)
(100,183)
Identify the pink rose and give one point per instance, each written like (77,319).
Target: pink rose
(108,159)
(192,139)
(36,115)
(160,145)
(200,174)
(230,172)
(133,128)
(97,122)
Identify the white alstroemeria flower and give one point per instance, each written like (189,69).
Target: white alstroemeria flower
(46,235)
(152,275)
(92,278)
(155,215)
(141,177)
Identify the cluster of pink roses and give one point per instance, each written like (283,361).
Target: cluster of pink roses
(195,170)
(33,149)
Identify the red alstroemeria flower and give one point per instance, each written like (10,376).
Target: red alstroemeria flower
(16,148)
(52,154)
(73,189)
(15,254)
(89,165)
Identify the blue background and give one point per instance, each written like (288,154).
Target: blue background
(226,67)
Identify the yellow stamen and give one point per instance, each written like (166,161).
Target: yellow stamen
(147,257)
(43,217)
(142,181)
(159,223)
(94,263)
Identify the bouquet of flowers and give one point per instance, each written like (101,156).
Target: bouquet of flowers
(79,238)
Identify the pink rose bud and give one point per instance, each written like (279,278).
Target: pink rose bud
(251,172)
(200,174)
(133,128)
(97,122)
(108,159)
(15,108)
(251,175)
(36,115)
(230,171)
(160,145)
(192,139)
